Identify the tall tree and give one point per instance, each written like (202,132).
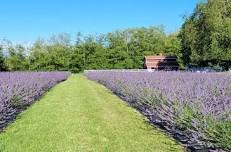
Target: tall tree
(206,34)
(2,59)
(16,59)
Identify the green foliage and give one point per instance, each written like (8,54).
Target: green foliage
(216,132)
(128,48)
(76,63)
(2,59)
(16,101)
(186,116)
(16,59)
(206,35)
(124,49)
(219,133)
(53,56)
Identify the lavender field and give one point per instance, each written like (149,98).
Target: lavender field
(20,89)
(193,107)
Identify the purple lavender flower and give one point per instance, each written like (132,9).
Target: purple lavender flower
(195,106)
(20,89)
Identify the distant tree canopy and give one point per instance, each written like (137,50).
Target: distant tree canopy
(206,34)
(122,49)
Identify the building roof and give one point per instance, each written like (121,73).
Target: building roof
(160,57)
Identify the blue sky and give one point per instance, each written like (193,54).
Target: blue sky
(26,20)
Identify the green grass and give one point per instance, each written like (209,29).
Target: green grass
(81,115)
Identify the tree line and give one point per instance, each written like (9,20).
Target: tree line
(122,49)
(203,40)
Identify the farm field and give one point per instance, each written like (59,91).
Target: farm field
(18,90)
(131,76)
(81,115)
(194,107)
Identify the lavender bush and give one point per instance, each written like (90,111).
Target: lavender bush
(195,108)
(20,89)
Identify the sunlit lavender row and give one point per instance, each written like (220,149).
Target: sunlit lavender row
(193,107)
(20,89)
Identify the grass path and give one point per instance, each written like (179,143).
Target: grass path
(81,115)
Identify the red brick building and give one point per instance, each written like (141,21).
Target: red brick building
(161,62)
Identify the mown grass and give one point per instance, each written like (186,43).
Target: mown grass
(81,115)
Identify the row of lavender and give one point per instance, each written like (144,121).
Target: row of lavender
(20,89)
(193,107)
